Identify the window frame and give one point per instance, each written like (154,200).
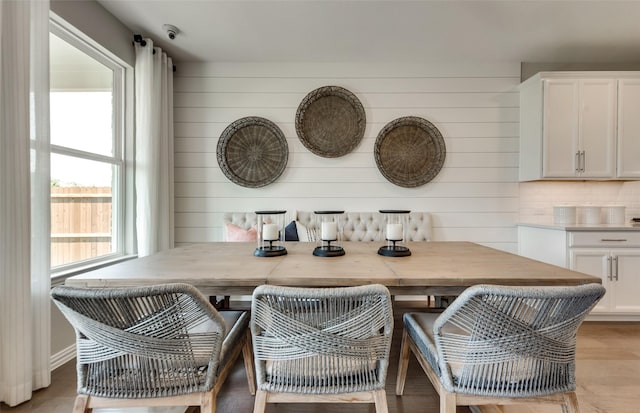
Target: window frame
(123,207)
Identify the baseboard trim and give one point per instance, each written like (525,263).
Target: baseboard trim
(612,317)
(63,357)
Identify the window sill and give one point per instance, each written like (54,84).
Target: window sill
(59,277)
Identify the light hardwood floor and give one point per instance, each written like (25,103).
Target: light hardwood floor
(607,370)
(608,376)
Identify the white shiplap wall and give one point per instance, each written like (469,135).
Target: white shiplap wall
(475,107)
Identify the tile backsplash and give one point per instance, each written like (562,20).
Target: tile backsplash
(537,199)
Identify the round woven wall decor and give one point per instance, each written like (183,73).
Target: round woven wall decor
(252,152)
(410,151)
(330,121)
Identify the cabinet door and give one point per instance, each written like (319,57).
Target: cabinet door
(594,262)
(597,128)
(626,281)
(560,128)
(628,128)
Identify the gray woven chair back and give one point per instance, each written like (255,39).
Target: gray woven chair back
(321,340)
(512,341)
(143,342)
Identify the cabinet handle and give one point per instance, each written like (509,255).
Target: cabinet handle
(578,162)
(613,240)
(615,267)
(610,269)
(582,161)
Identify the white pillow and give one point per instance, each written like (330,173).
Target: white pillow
(306,234)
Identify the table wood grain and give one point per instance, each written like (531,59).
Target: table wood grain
(434,268)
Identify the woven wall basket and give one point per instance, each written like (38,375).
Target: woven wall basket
(410,151)
(330,121)
(252,152)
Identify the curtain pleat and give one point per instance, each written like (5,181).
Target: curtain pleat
(154,149)
(24,142)
(15,366)
(40,196)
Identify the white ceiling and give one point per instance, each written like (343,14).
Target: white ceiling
(389,30)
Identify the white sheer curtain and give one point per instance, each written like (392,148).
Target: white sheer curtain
(154,149)
(24,199)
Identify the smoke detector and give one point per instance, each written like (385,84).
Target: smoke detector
(172,31)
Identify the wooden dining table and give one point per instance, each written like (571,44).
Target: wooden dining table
(433,268)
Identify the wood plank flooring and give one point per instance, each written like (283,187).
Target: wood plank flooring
(608,376)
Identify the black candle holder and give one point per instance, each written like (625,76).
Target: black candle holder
(392,249)
(270,247)
(328,250)
(270,250)
(324,248)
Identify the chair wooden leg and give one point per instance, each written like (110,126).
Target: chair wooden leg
(208,403)
(247,355)
(570,404)
(447,402)
(260,403)
(380,398)
(403,364)
(80,404)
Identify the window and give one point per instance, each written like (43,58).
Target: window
(88,176)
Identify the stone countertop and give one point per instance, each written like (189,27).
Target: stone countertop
(582,227)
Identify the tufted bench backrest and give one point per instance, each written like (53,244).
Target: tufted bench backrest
(369,226)
(244,220)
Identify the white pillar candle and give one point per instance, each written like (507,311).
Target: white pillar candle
(329,231)
(394,232)
(269,232)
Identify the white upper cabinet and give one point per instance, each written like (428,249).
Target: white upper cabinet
(597,128)
(573,126)
(560,139)
(629,129)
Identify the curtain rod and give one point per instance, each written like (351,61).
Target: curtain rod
(137,38)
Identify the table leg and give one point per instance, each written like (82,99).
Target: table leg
(222,304)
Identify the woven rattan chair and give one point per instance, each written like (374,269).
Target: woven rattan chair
(161,345)
(321,344)
(501,345)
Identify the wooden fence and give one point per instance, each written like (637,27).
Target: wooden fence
(80,223)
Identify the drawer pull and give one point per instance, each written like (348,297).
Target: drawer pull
(613,240)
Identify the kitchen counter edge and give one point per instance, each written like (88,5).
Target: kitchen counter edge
(582,227)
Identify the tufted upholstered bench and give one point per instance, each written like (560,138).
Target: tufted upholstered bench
(356,226)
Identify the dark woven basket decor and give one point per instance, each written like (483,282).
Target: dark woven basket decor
(410,151)
(252,152)
(330,121)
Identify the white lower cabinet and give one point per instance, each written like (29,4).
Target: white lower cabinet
(619,270)
(611,255)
